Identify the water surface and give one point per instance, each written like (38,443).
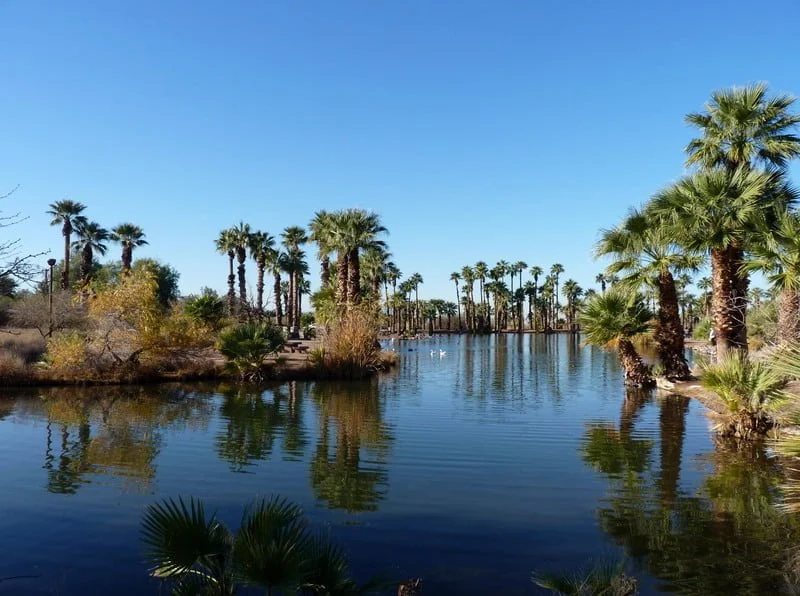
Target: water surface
(475,463)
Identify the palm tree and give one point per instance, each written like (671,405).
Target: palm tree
(468,275)
(520,266)
(130,236)
(67,214)
(391,275)
(415,280)
(556,270)
(530,293)
(777,254)
(535,272)
(481,272)
(240,235)
(225,244)
(704,285)
(293,238)
(321,228)
(614,318)
(354,230)
(275,262)
(91,239)
(455,277)
(601,279)
(717,211)
(647,256)
(572,291)
(262,247)
(742,127)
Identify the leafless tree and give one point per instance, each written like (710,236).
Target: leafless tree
(14,261)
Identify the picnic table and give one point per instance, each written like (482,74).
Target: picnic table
(294,346)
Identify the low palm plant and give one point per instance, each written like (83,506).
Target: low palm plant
(247,346)
(206,309)
(273,549)
(615,318)
(752,392)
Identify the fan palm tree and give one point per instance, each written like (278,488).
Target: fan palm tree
(321,233)
(743,128)
(535,272)
(704,285)
(91,239)
(354,230)
(262,247)
(225,244)
(556,270)
(777,254)
(67,214)
(601,279)
(129,236)
(646,255)
(240,235)
(455,277)
(572,292)
(390,276)
(614,318)
(293,238)
(481,272)
(716,212)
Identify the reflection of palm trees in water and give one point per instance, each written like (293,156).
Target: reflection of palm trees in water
(93,434)
(727,539)
(340,474)
(255,417)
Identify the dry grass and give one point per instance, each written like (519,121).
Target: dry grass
(27,344)
(350,349)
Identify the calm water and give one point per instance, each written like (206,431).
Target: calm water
(472,469)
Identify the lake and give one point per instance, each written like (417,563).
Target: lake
(476,462)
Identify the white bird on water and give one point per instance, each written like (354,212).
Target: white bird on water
(442,353)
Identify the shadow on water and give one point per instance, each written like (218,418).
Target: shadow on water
(727,537)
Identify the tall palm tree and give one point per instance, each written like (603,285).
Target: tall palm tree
(468,274)
(535,272)
(129,236)
(354,230)
(67,214)
(704,285)
(321,233)
(556,270)
(519,267)
(481,273)
(391,275)
(646,255)
(530,293)
(293,238)
(262,246)
(226,245)
(743,128)
(275,261)
(416,280)
(240,235)
(614,318)
(777,254)
(717,211)
(373,267)
(601,279)
(572,291)
(91,239)
(455,277)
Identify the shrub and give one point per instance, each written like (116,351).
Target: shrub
(702,329)
(350,348)
(752,391)
(67,351)
(33,312)
(26,344)
(206,309)
(12,367)
(245,348)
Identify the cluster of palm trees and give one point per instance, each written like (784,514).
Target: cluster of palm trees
(91,239)
(735,209)
(352,255)
(529,306)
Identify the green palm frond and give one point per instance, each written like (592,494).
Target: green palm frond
(744,385)
(606,318)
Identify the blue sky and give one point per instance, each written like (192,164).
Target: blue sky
(478,130)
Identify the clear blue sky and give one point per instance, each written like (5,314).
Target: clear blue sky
(479,130)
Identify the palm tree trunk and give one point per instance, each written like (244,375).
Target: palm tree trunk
(669,333)
(788,316)
(241,256)
(276,289)
(353,276)
(86,264)
(672,423)
(458,306)
(325,274)
(342,291)
(727,328)
(231,283)
(261,264)
(290,303)
(636,373)
(67,231)
(127,258)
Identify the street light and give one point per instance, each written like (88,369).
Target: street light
(52,263)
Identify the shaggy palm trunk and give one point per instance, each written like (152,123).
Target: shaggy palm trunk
(325,271)
(342,274)
(67,232)
(276,290)
(241,255)
(86,264)
(261,264)
(669,331)
(637,374)
(672,422)
(741,285)
(231,283)
(788,319)
(458,306)
(353,277)
(289,299)
(728,324)
(127,258)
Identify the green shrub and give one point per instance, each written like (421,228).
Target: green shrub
(206,309)
(752,391)
(245,348)
(702,329)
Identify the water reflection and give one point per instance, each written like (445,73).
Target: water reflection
(254,418)
(349,469)
(115,433)
(727,538)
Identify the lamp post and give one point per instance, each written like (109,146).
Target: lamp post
(52,263)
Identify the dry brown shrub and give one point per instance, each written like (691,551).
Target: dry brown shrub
(13,367)
(28,344)
(350,348)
